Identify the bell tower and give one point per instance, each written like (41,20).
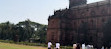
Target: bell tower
(73,3)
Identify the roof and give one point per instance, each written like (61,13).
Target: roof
(92,4)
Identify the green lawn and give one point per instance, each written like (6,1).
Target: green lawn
(15,46)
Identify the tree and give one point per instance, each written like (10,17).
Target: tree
(41,32)
(32,30)
(23,31)
(26,27)
(6,30)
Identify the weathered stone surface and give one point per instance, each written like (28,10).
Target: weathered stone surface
(82,24)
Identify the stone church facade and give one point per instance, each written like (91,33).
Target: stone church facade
(81,23)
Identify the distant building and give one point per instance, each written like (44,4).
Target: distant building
(81,23)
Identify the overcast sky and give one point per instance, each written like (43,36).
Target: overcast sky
(35,10)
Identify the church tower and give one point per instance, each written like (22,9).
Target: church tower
(73,3)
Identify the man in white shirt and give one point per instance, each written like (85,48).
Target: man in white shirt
(74,46)
(57,45)
(102,47)
(49,45)
(83,46)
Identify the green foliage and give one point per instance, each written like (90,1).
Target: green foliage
(23,31)
(7,41)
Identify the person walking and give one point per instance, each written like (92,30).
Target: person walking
(49,45)
(83,46)
(74,46)
(78,46)
(57,45)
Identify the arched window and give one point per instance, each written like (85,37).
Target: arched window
(91,21)
(103,20)
(93,13)
(103,11)
(53,36)
(82,21)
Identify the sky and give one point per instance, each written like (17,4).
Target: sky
(35,10)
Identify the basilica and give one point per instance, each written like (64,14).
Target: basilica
(80,23)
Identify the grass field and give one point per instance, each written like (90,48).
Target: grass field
(15,46)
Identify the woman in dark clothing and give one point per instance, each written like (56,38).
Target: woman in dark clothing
(78,46)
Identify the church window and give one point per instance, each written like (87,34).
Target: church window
(91,39)
(92,13)
(103,20)
(82,21)
(52,36)
(87,9)
(82,13)
(74,23)
(91,21)
(103,11)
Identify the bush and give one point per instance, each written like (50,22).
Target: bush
(6,41)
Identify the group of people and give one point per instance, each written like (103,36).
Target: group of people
(50,44)
(77,46)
